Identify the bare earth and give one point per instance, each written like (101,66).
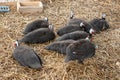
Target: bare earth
(105,65)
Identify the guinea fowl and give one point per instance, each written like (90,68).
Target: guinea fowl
(99,24)
(75,24)
(70,28)
(26,56)
(39,36)
(88,28)
(73,20)
(84,26)
(36,25)
(59,46)
(80,50)
(76,35)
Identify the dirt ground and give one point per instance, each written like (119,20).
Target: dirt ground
(105,65)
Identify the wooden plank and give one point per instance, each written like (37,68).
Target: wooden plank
(8,3)
(30,7)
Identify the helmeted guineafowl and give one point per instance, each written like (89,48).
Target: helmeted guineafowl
(80,50)
(99,24)
(36,25)
(73,20)
(39,36)
(59,46)
(70,28)
(85,25)
(26,56)
(76,35)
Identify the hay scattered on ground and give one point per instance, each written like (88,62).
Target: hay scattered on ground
(105,65)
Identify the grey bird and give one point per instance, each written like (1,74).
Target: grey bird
(76,35)
(86,26)
(80,50)
(36,25)
(70,28)
(73,20)
(26,56)
(100,24)
(59,46)
(39,36)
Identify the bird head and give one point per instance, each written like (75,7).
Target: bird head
(46,19)
(71,14)
(16,43)
(92,31)
(51,27)
(103,16)
(82,24)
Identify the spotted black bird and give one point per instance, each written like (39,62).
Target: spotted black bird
(26,56)
(80,50)
(69,28)
(100,24)
(36,25)
(39,36)
(59,46)
(76,35)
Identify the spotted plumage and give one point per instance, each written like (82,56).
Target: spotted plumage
(80,50)
(36,25)
(27,57)
(76,35)
(99,24)
(59,46)
(39,36)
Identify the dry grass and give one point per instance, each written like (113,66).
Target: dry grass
(105,65)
